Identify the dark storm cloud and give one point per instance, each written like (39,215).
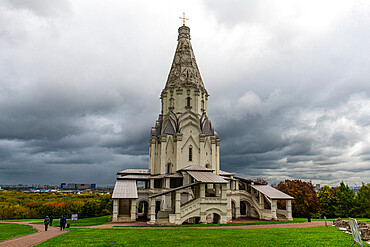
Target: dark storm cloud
(80,86)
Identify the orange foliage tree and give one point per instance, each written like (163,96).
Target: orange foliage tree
(306,202)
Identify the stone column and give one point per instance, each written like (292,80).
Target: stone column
(177,207)
(133,209)
(152,211)
(261,201)
(152,183)
(202,190)
(273,209)
(217,189)
(237,207)
(289,209)
(167,183)
(115,209)
(229,213)
(223,191)
(203,218)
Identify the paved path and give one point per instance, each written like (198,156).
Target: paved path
(34,238)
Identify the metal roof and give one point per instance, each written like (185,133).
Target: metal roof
(125,189)
(196,168)
(272,193)
(223,173)
(134,171)
(135,176)
(175,175)
(174,189)
(207,177)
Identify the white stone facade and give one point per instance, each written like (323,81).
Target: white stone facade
(184,183)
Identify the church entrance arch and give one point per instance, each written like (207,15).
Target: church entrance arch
(142,210)
(213,218)
(243,209)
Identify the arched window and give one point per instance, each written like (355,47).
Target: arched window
(169,168)
(190,154)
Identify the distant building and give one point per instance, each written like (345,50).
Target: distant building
(73,186)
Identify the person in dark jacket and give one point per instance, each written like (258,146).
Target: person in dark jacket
(51,220)
(46,223)
(63,222)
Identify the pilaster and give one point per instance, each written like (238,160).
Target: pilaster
(152,211)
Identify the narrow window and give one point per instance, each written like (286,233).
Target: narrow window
(188,101)
(168,168)
(190,154)
(187,74)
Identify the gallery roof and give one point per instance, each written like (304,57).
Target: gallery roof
(134,171)
(207,177)
(125,189)
(272,193)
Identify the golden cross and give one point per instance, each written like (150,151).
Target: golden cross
(183,18)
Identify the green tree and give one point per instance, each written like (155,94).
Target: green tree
(328,199)
(362,208)
(346,200)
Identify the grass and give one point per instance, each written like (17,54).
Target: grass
(9,230)
(22,220)
(314,236)
(94,221)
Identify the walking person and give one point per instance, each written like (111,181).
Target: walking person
(46,223)
(63,222)
(51,220)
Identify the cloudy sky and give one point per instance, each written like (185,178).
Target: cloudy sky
(80,83)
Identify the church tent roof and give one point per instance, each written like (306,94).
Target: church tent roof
(272,193)
(125,189)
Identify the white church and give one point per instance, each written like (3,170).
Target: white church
(184,183)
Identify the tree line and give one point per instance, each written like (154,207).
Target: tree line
(331,202)
(18,205)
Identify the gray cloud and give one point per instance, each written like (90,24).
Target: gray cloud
(80,86)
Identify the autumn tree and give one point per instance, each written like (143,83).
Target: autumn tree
(260,181)
(306,202)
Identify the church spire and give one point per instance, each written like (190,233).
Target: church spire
(184,70)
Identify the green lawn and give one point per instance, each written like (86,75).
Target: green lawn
(22,220)
(94,221)
(9,230)
(314,236)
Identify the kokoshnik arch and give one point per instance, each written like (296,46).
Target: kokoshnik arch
(184,183)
